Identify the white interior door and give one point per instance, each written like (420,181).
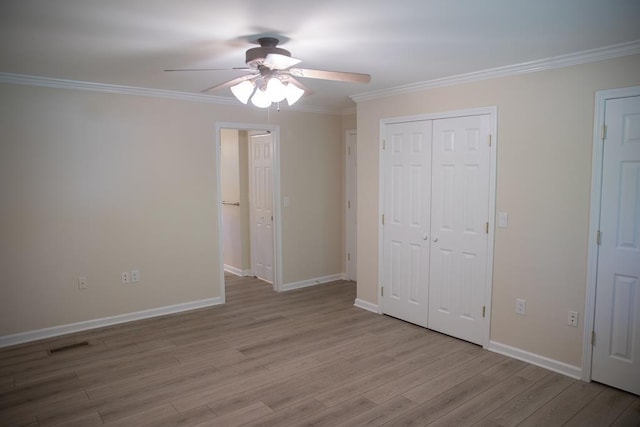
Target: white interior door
(407,162)
(616,351)
(459,226)
(261,212)
(351,206)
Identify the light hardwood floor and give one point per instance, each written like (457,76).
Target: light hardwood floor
(305,357)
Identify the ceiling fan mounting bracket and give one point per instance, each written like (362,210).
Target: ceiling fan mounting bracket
(256,56)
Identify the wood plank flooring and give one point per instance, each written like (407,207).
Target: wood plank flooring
(305,357)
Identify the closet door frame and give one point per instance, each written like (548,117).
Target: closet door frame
(492,111)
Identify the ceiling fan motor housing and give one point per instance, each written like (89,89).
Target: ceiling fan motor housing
(255,56)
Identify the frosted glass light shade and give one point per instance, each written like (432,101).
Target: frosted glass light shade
(293,93)
(275,90)
(243,91)
(260,99)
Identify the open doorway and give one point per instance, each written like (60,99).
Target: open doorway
(247,165)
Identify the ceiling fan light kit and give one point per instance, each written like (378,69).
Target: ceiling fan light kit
(260,99)
(293,93)
(271,78)
(275,91)
(243,91)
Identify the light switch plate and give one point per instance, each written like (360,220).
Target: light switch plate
(503,219)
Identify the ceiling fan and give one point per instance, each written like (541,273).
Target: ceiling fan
(272,78)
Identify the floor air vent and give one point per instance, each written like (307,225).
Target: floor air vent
(68,347)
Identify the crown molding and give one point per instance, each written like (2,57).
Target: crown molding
(27,80)
(577,58)
(349,111)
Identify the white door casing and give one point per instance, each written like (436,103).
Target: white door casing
(351,205)
(616,350)
(277,213)
(261,205)
(406,168)
(459,226)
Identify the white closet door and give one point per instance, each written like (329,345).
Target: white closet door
(616,353)
(407,161)
(459,226)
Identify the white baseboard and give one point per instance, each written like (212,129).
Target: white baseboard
(55,331)
(366,305)
(536,359)
(312,282)
(236,271)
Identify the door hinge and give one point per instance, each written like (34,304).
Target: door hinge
(348,151)
(603,132)
(598,238)
(383,144)
(486,228)
(382,219)
(348,257)
(348,204)
(271,218)
(593,338)
(484,309)
(489,140)
(382,291)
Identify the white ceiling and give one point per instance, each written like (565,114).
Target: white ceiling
(398,42)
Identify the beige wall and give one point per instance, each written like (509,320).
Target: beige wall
(545,127)
(349,122)
(94,184)
(312,179)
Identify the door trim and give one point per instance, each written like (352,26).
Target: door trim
(601,98)
(347,229)
(492,111)
(277,223)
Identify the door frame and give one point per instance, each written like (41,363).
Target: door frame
(277,219)
(492,111)
(601,98)
(347,228)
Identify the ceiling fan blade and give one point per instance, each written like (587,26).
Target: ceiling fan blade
(208,69)
(330,75)
(231,82)
(276,61)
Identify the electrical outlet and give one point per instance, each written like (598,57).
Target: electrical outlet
(521,306)
(125,277)
(573,319)
(82,282)
(135,276)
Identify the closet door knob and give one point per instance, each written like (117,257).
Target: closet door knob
(435,240)
(425,237)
